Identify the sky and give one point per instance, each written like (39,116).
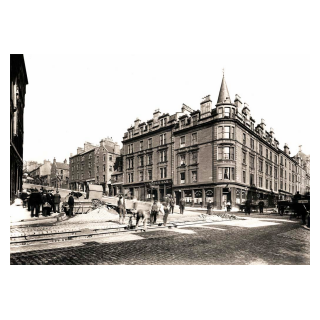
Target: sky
(72,99)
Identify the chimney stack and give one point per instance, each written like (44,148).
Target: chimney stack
(238,103)
(272,132)
(102,143)
(286,149)
(156,115)
(263,124)
(136,124)
(71,155)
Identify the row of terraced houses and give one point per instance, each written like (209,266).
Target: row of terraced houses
(216,153)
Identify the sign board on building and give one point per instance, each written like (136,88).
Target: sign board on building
(303,201)
(167,181)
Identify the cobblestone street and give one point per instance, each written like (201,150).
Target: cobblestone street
(253,241)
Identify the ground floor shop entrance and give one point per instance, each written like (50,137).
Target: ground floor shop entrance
(151,191)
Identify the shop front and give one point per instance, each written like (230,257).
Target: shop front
(195,197)
(158,190)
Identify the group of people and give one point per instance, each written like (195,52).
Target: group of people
(44,201)
(41,201)
(143,215)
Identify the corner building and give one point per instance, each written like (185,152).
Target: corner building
(215,153)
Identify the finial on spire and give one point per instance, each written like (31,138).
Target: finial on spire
(223,72)
(224,96)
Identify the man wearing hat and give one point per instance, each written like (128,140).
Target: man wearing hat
(56,202)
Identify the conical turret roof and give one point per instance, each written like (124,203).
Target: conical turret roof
(224,96)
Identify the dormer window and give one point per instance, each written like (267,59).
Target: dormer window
(194,119)
(183,122)
(163,122)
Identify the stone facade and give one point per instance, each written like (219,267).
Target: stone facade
(18,83)
(214,153)
(42,173)
(94,165)
(60,174)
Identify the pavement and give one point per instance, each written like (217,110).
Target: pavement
(239,242)
(256,239)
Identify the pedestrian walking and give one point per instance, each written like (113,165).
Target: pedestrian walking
(229,206)
(209,207)
(122,209)
(261,205)
(56,202)
(182,205)
(248,207)
(154,212)
(172,203)
(71,204)
(166,213)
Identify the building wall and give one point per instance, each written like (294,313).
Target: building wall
(18,82)
(271,179)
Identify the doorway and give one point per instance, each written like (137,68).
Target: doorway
(178,196)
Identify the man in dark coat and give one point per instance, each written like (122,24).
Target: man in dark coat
(32,203)
(71,204)
(36,201)
(56,202)
(261,205)
(182,205)
(248,207)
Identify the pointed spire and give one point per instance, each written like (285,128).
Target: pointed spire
(224,96)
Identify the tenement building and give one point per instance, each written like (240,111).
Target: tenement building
(216,153)
(41,174)
(59,177)
(93,164)
(18,83)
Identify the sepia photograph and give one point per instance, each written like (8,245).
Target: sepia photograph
(139,159)
(160,159)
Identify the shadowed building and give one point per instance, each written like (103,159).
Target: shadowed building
(18,83)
